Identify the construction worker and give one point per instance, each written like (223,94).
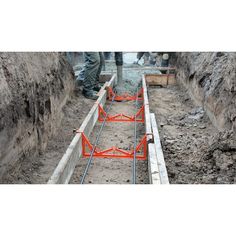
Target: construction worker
(139,56)
(165,60)
(91,72)
(148,56)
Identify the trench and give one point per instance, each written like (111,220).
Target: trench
(121,135)
(192,146)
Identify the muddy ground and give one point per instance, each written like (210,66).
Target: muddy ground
(189,140)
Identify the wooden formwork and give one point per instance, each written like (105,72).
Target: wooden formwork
(159,153)
(156,164)
(160,79)
(105,77)
(66,166)
(168,78)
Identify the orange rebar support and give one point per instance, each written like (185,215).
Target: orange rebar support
(125,96)
(120,117)
(114,152)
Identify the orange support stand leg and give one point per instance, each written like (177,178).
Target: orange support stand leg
(114,152)
(120,117)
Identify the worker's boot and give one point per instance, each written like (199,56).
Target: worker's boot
(90,94)
(97,87)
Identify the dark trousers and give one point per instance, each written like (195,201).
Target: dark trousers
(92,69)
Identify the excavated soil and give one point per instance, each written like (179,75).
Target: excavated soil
(38,169)
(191,146)
(114,171)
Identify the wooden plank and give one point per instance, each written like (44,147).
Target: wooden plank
(159,153)
(91,118)
(66,166)
(154,177)
(146,110)
(153,68)
(64,170)
(171,80)
(156,80)
(160,79)
(166,68)
(108,84)
(105,77)
(112,81)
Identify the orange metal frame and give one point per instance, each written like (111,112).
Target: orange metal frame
(125,96)
(120,117)
(114,152)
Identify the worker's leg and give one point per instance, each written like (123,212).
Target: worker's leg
(107,55)
(139,56)
(152,58)
(91,67)
(97,87)
(165,60)
(101,64)
(146,58)
(80,77)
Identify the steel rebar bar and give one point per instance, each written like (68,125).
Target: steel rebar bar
(135,139)
(96,142)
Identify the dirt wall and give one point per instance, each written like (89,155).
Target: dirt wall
(210,77)
(33,89)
